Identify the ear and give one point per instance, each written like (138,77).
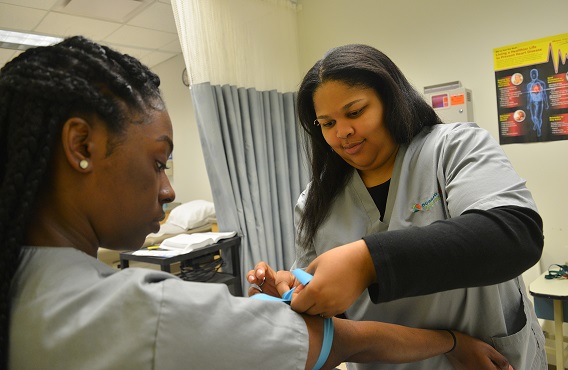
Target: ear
(76,138)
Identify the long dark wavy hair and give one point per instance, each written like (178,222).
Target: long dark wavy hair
(39,90)
(405,114)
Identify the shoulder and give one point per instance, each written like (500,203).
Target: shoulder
(454,134)
(445,129)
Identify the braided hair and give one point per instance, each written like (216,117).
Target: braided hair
(39,90)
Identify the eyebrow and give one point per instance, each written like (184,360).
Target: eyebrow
(344,108)
(168,140)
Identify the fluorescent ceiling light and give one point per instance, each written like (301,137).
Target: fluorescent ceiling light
(23,41)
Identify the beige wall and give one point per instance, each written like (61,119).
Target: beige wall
(447,40)
(189,178)
(432,42)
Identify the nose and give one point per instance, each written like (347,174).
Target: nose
(167,193)
(344,129)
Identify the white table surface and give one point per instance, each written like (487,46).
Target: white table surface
(557,291)
(549,288)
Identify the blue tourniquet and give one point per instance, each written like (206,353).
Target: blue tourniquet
(304,278)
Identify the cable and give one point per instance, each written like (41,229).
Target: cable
(556,271)
(201,269)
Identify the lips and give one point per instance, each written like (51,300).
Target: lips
(157,222)
(352,148)
(161,217)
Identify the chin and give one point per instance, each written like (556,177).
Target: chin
(155,227)
(132,242)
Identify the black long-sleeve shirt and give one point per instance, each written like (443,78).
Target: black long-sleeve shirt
(475,249)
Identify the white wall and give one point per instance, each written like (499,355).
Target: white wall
(440,41)
(189,179)
(432,42)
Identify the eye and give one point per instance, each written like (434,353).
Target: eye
(327,124)
(161,166)
(355,114)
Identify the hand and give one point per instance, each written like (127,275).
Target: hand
(270,282)
(474,354)
(340,276)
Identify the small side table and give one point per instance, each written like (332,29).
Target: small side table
(555,290)
(224,245)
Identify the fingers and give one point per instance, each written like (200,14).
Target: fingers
(258,274)
(308,300)
(309,309)
(472,353)
(265,280)
(257,278)
(304,302)
(334,286)
(284,281)
(317,298)
(500,361)
(253,290)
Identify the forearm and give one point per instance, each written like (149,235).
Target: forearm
(466,251)
(372,341)
(356,341)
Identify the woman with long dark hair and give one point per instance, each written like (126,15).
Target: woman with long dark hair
(430,217)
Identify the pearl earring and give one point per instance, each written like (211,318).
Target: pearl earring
(84,164)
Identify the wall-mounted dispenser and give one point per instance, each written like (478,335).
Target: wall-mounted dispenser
(451,101)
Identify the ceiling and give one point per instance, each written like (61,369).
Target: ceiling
(144,29)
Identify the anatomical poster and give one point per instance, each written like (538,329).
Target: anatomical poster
(531,79)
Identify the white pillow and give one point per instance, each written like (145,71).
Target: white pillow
(191,214)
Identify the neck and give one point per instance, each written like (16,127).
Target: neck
(49,228)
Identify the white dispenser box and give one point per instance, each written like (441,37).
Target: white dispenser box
(451,101)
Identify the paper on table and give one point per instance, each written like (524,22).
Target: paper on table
(157,253)
(191,242)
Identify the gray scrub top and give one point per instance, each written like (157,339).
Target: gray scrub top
(441,174)
(71,311)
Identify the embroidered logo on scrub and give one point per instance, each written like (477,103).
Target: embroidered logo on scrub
(425,206)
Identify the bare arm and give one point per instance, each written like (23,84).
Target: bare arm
(382,342)
(370,341)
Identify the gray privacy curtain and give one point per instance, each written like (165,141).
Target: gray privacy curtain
(256,166)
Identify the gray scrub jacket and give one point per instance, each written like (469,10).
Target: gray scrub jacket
(438,176)
(71,311)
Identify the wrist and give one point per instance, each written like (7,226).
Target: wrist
(455,341)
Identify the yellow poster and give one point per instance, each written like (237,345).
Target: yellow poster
(531,80)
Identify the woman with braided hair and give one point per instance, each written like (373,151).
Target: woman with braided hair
(84,138)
